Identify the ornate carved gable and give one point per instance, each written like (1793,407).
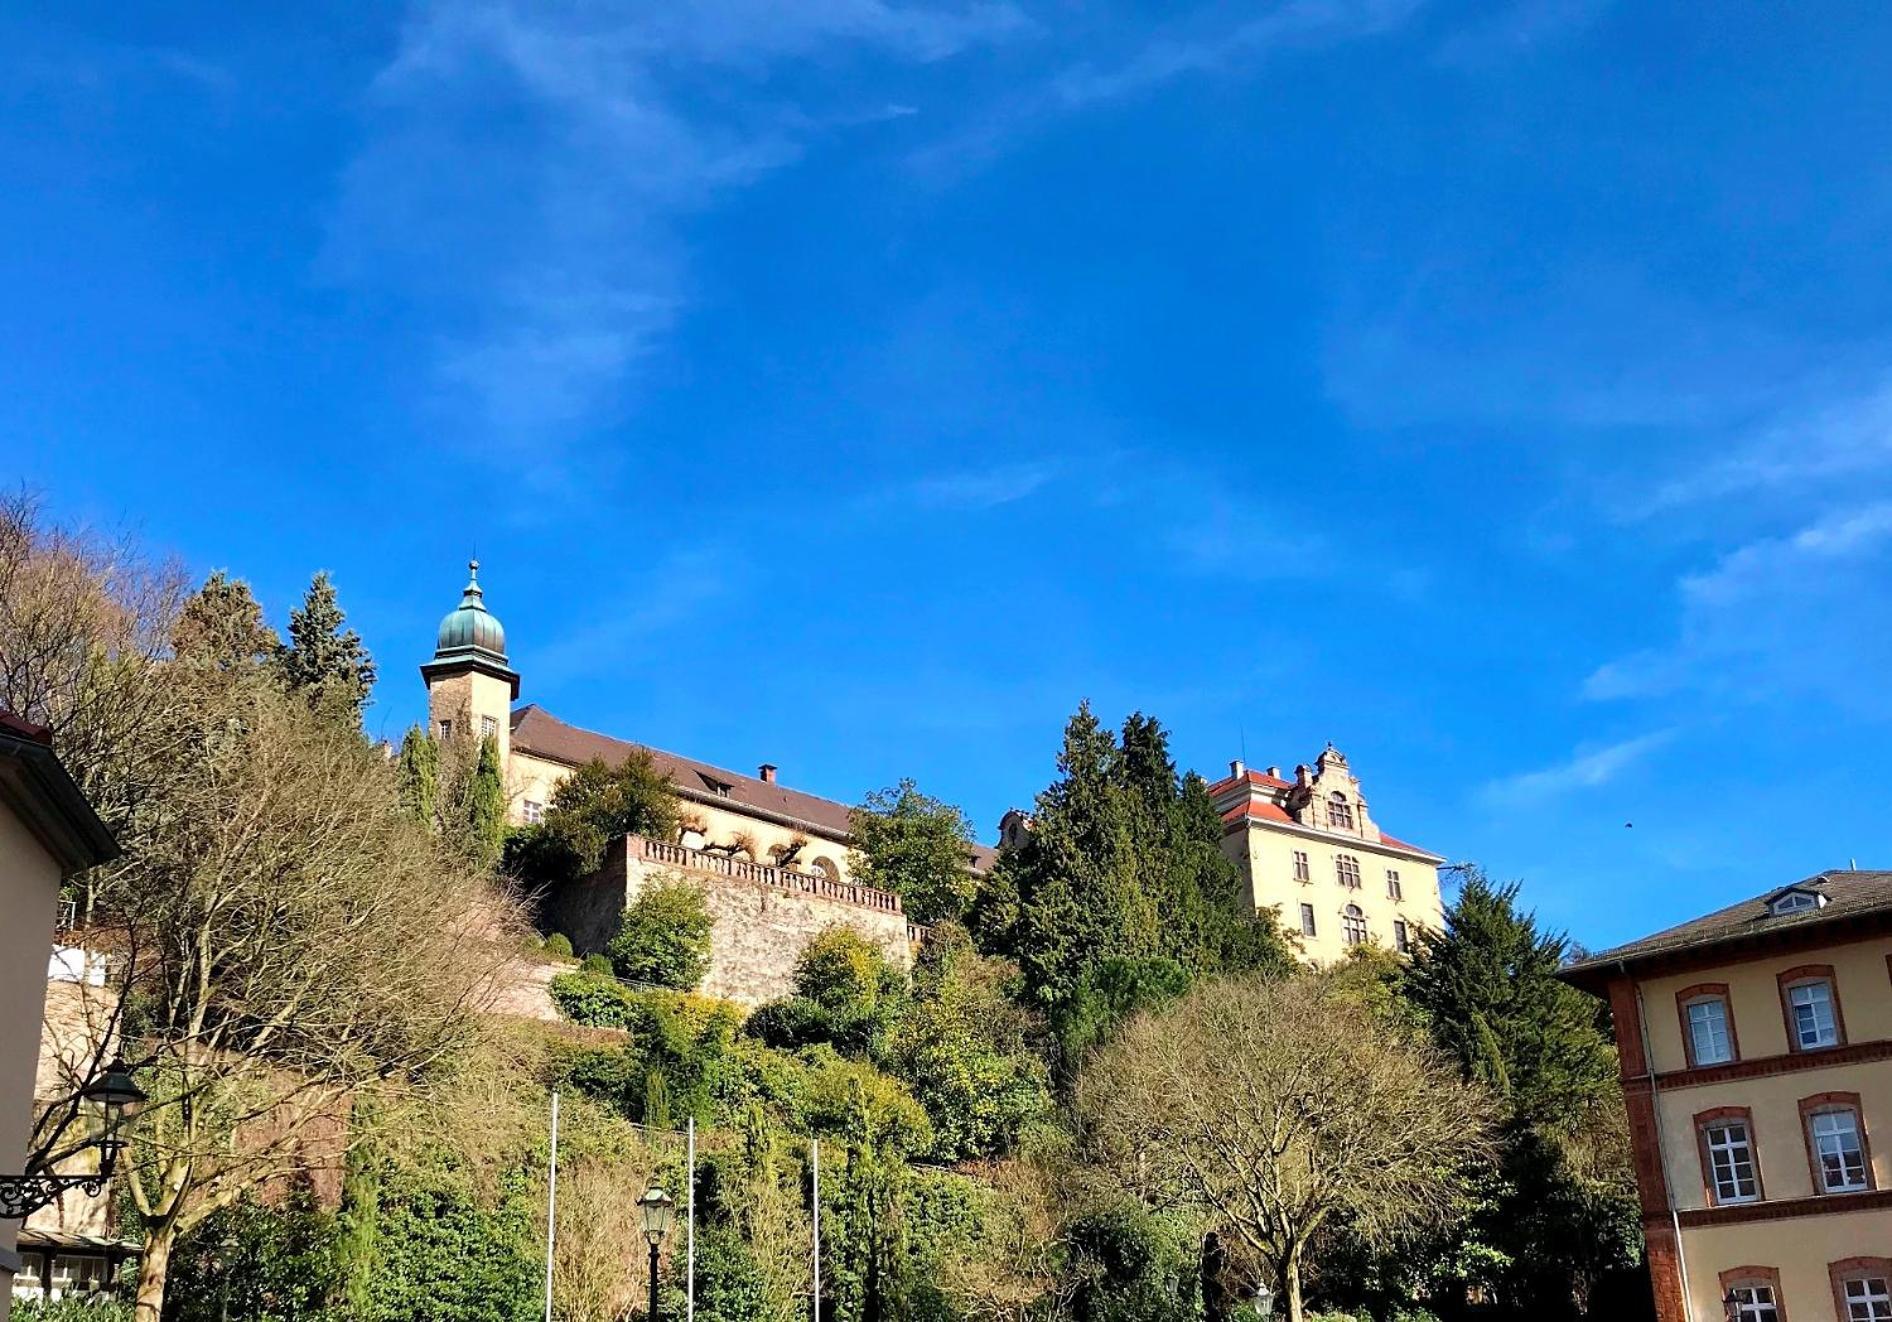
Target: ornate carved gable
(1327,797)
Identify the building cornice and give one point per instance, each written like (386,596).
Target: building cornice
(1733,951)
(1760,1067)
(1414,853)
(1782,1209)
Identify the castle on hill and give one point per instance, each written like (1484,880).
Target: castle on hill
(773,861)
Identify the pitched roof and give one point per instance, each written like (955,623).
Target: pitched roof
(538,732)
(1849,896)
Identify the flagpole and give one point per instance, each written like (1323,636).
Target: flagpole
(814,1153)
(689,1271)
(551,1209)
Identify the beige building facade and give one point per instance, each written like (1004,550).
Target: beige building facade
(1756,1050)
(1310,849)
(47,833)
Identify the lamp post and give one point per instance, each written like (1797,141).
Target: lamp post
(117,1097)
(657,1206)
(1264,1300)
(1731,1307)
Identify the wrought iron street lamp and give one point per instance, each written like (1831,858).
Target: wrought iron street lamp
(117,1097)
(1731,1307)
(657,1207)
(1264,1300)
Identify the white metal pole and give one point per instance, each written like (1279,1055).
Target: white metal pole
(814,1154)
(551,1209)
(689,1259)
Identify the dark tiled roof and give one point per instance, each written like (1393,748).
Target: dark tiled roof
(1848,894)
(536,731)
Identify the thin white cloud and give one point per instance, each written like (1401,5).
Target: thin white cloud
(1798,613)
(1188,49)
(529,168)
(1586,769)
(983,488)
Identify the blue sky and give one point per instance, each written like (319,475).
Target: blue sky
(1499,390)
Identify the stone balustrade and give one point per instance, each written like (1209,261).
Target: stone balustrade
(664,854)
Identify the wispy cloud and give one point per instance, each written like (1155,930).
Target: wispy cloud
(528,170)
(681,587)
(1585,769)
(1795,613)
(981,488)
(1795,449)
(1192,47)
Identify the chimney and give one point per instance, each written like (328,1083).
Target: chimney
(1275,772)
(1236,769)
(767,772)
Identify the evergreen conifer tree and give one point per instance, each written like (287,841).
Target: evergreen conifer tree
(419,768)
(486,805)
(222,625)
(323,658)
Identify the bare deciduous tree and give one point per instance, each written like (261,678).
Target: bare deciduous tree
(1278,1108)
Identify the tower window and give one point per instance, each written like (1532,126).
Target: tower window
(1353,925)
(446,730)
(534,813)
(1339,811)
(488,726)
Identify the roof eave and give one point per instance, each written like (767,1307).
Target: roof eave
(43,795)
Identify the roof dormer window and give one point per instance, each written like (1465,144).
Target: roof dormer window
(720,788)
(1794,901)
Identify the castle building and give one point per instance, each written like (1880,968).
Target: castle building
(1309,849)
(1754,1045)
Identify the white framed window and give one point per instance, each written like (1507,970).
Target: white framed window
(1839,1154)
(1347,871)
(1302,872)
(1730,1151)
(1811,1006)
(1867,1299)
(1402,939)
(1794,902)
(533,812)
(1353,925)
(446,730)
(1393,891)
(1709,1041)
(1754,1301)
(1307,920)
(1339,812)
(488,726)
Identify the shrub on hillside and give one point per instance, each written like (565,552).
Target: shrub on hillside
(664,937)
(558,946)
(598,966)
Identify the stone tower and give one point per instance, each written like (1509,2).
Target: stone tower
(470,686)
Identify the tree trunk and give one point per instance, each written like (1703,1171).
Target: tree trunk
(1291,1283)
(154,1268)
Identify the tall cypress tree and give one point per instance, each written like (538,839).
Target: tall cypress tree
(486,805)
(418,770)
(324,658)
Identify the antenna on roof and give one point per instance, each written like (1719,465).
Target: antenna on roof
(1241,732)
(1852,865)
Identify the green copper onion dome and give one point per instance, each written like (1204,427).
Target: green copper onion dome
(470,627)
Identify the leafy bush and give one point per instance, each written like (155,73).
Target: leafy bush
(598,966)
(593,806)
(96,1309)
(558,946)
(846,995)
(593,1000)
(272,1264)
(664,937)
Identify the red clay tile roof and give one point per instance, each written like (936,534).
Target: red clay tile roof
(538,732)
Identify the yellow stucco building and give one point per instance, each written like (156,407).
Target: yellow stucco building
(1756,1049)
(1309,849)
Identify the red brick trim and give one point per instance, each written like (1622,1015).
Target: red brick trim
(1857,1053)
(1786,1209)
(1665,1272)
(1847,1269)
(1787,978)
(1769,1276)
(1715,1115)
(1626,1010)
(1835,1101)
(1705,991)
